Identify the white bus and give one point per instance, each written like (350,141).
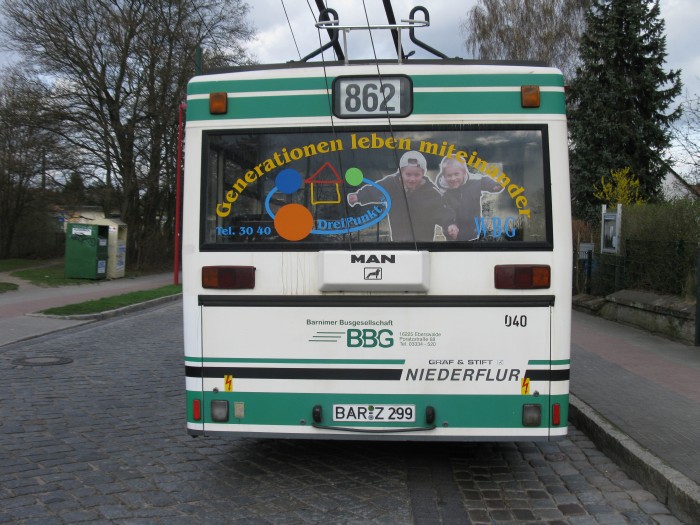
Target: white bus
(377,250)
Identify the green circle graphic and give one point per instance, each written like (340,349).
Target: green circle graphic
(354,176)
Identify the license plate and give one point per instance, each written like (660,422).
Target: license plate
(382,413)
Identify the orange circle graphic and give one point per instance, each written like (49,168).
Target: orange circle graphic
(293,222)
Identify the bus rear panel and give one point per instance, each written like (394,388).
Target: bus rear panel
(377,252)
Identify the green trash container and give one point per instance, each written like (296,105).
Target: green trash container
(86,251)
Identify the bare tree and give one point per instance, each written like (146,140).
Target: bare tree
(31,154)
(544,30)
(686,134)
(120,70)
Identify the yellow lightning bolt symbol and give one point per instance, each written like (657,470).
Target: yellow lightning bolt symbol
(525,386)
(228,383)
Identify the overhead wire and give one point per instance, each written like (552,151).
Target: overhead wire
(208,30)
(330,110)
(332,122)
(391,127)
(333,130)
(289,22)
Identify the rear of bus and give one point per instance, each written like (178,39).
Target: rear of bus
(377,251)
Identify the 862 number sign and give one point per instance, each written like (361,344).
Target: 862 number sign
(365,97)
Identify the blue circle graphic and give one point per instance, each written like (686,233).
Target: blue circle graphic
(288,181)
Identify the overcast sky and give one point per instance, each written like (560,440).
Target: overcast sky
(275,44)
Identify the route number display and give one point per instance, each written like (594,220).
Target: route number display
(366,97)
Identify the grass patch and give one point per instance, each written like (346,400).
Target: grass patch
(48,276)
(54,274)
(112,303)
(7,287)
(10,265)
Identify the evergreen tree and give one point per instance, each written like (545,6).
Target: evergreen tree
(620,100)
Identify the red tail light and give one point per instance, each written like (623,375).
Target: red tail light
(556,415)
(521,276)
(228,277)
(197,410)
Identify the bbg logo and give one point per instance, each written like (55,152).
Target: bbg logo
(368,338)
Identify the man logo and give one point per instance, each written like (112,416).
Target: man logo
(373,274)
(382,259)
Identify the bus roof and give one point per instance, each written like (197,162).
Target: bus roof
(437,62)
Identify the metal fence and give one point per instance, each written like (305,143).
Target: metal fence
(658,266)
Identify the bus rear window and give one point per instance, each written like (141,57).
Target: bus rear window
(439,189)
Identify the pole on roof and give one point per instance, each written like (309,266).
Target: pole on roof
(336,46)
(389,10)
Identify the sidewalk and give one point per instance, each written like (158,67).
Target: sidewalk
(16,307)
(637,396)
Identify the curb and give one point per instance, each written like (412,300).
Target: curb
(113,313)
(678,492)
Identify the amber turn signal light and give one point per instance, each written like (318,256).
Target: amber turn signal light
(530,96)
(218,103)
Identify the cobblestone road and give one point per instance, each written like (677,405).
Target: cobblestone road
(92,431)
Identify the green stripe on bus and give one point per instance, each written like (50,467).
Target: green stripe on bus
(472,103)
(546,362)
(263,107)
(297,361)
(289,409)
(424,103)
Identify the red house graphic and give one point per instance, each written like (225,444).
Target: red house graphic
(325,185)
